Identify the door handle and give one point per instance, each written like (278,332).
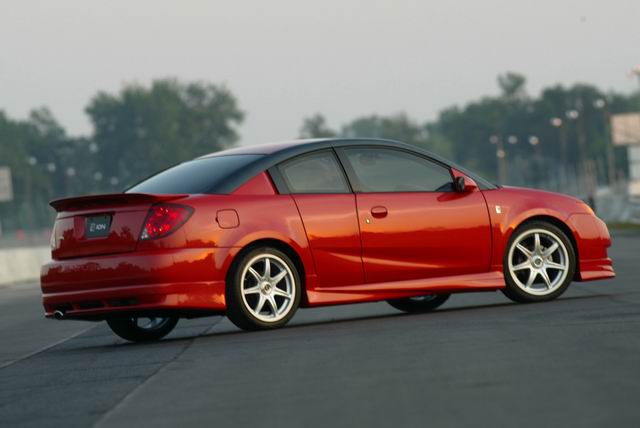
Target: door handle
(379,212)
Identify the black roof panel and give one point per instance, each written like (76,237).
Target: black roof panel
(279,152)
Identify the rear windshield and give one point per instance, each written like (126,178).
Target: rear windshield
(196,176)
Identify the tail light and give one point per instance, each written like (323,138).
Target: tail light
(164,219)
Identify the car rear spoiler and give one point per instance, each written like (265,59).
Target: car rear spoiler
(113,199)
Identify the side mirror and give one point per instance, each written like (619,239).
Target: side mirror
(465,184)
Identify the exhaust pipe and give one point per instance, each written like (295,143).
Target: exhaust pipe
(59,315)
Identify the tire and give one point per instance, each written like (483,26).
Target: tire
(538,264)
(263,290)
(419,304)
(133,330)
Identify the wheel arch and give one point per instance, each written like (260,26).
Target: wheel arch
(278,245)
(560,225)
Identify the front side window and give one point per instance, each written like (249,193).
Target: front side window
(388,170)
(314,173)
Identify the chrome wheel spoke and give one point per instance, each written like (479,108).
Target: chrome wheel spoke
(551,249)
(279,277)
(267,268)
(282,293)
(260,305)
(524,249)
(252,290)
(545,276)
(274,305)
(554,265)
(524,265)
(537,247)
(532,277)
(255,274)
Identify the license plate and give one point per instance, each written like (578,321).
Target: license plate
(97,226)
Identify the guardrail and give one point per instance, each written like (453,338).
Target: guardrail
(22,263)
(24,238)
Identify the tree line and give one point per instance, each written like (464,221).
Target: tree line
(562,128)
(143,129)
(136,132)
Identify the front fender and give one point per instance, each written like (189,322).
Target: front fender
(509,208)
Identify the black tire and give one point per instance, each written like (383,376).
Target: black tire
(419,304)
(515,292)
(238,306)
(128,328)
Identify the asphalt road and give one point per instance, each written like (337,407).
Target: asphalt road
(479,361)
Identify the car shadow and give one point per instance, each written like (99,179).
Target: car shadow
(342,320)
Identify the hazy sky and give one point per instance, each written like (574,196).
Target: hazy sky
(287,59)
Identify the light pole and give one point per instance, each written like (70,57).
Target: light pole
(576,116)
(501,155)
(51,169)
(636,71)
(558,123)
(70,173)
(601,104)
(534,141)
(32,162)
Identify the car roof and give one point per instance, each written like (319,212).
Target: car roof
(268,148)
(286,149)
(274,153)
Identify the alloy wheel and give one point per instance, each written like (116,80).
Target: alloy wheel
(268,288)
(426,298)
(538,262)
(150,323)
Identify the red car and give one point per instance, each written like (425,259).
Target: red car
(256,232)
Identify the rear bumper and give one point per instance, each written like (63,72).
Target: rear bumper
(185,281)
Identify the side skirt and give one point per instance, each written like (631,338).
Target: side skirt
(486,281)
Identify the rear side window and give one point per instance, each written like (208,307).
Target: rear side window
(388,170)
(317,172)
(193,177)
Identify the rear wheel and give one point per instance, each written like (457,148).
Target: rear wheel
(539,263)
(263,290)
(419,304)
(142,329)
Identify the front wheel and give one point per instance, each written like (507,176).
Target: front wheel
(142,329)
(539,263)
(420,303)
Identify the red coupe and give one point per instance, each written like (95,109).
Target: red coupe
(256,232)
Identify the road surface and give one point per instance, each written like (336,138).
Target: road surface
(479,361)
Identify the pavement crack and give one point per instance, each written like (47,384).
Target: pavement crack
(45,348)
(99,423)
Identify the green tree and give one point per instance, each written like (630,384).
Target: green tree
(523,125)
(35,149)
(512,86)
(316,127)
(396,127)
(142,130)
